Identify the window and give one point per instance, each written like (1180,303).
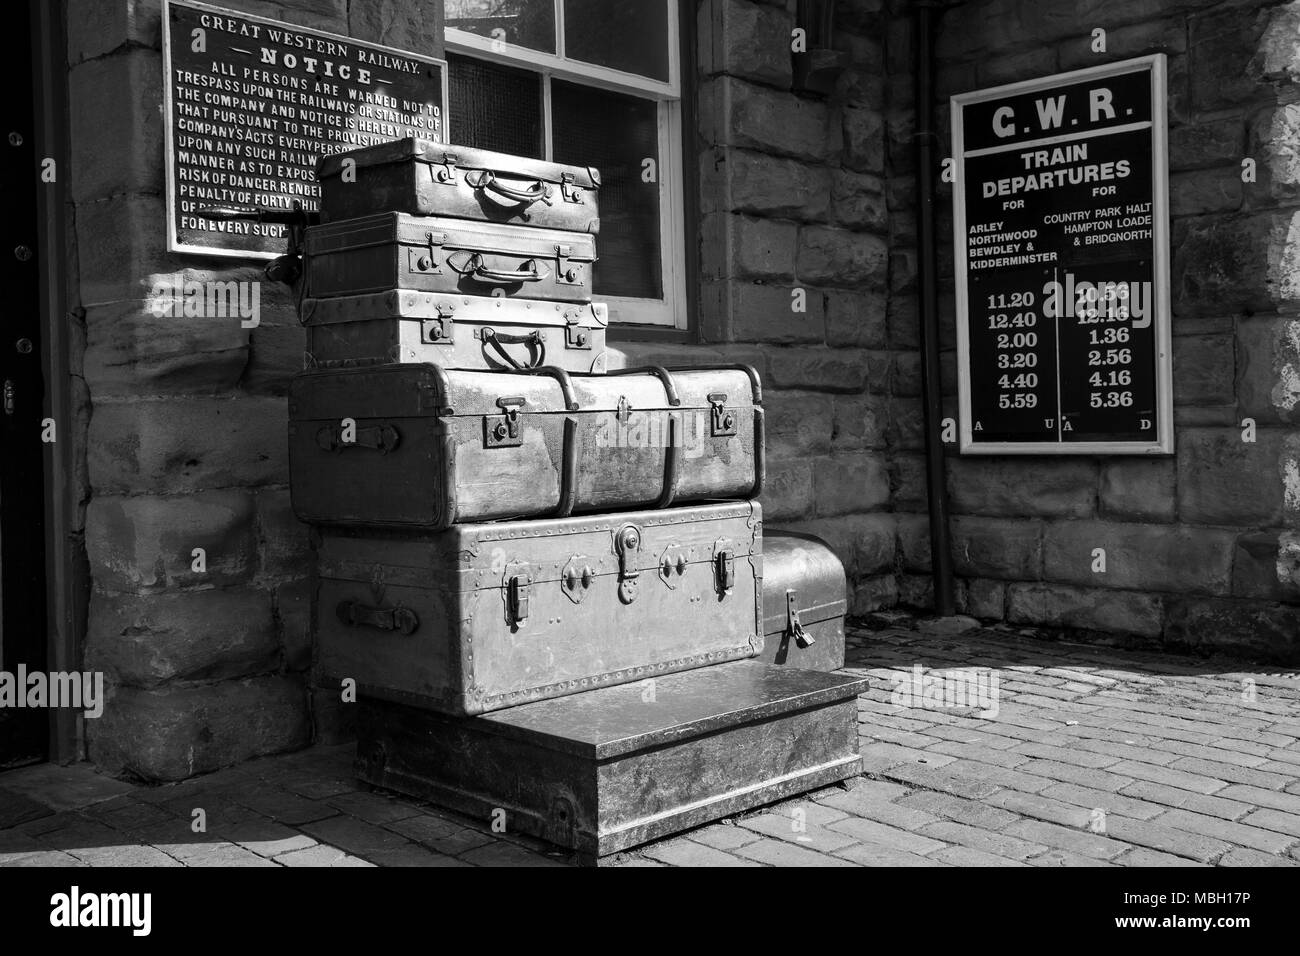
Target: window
(591,83)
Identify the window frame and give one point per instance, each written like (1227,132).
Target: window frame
(671,313)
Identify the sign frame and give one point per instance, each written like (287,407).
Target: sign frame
(1155,64)
(174,245)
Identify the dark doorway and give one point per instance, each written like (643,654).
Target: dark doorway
(24,732)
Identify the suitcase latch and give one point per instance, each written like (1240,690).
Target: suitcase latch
(437,331)
(518,587)
(507,429)
(444,172)
(723,422)
(724,568)
(566,272)
(576,578)
(793,627)
(427,258)
(570,190)
(624,410)
(575,335)
(627,543)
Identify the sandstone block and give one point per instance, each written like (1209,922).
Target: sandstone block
(839,259)
(744,248)
(1268,370)
(176,732)
(1000,548)
(744,39)
(831,370)
(123,93)
(788,490)
(1266,566)
(860,422)
(1139,557)
(856,319)
(1051,488)
(1136,489)
(147,640)
(740,114)
(1225,481)
(799,424)
(182,445)
(737,311)
(1253,629)
(1088,609)
(146,542)
(132,349)
(850,482)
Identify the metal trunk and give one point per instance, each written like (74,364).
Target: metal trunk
(487,616)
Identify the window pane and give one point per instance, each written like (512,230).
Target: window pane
(527,23)
(616,134)
(494,107)
(627,35)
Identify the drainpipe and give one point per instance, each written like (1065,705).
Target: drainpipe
(927,280)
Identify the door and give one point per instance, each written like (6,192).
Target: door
(24,732)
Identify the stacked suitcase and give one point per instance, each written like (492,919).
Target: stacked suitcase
(520,551)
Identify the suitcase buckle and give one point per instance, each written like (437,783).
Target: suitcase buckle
(723,422)
(504,430)
(793,627)
(627,544)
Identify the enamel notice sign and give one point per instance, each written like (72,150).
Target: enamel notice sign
(1062,263)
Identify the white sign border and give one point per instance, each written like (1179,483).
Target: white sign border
(169,149)
(1156,65)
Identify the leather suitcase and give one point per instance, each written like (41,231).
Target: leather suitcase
(486,616)
(607,769)
(425,178)
(396,251)
(455,331)
(422,447)
(804,602)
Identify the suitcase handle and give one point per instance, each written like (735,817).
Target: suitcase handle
(658,371)
(381,438)
(398,618)
(499,340)
(487,180)
(477,271)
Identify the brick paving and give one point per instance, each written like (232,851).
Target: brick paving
(1095,757)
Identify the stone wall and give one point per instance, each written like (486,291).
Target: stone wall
(186,434)
(796,195)
(1202,549)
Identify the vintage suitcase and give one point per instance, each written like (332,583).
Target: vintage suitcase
(804,602)
(422,447)
(455,331)
(396,251)
(487,616)
(432,179)
(607,769)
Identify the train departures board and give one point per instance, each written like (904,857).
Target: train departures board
(1061,229)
